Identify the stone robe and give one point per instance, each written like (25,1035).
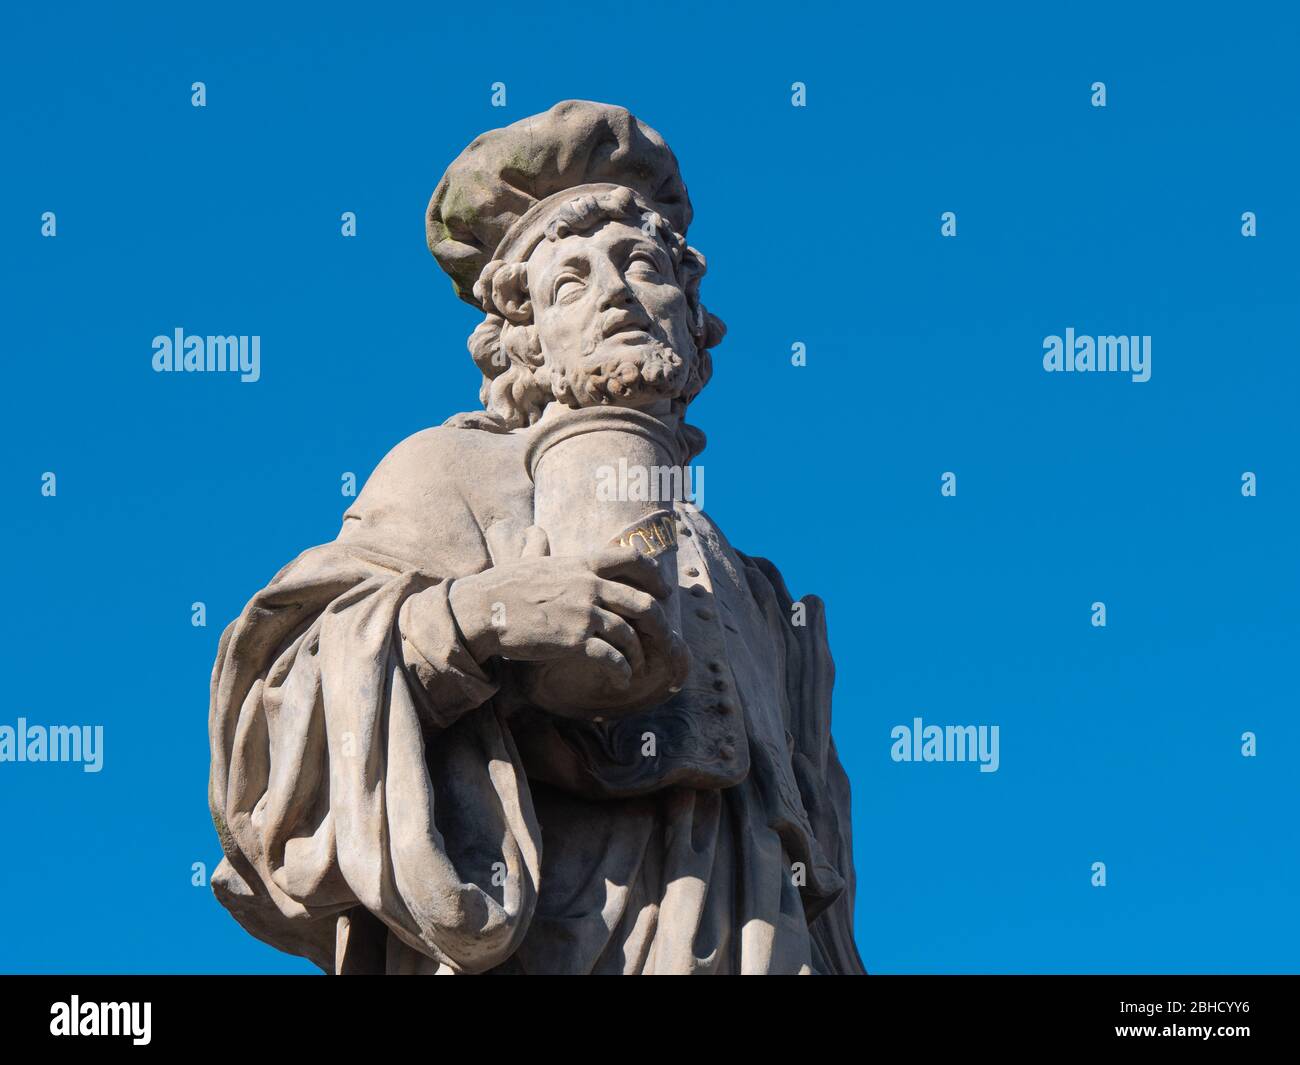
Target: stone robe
(385,804)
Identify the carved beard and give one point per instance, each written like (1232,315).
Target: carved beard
(653,371)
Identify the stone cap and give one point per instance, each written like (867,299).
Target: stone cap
(504,172)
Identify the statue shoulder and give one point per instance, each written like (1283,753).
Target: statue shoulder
(443,458)
(427,459)
(439,482)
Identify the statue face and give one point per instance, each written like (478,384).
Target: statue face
(613,323)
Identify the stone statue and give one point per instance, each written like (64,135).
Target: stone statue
(514,721)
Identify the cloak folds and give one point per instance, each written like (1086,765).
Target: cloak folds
(381,811)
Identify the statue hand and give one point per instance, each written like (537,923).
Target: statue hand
(598,609)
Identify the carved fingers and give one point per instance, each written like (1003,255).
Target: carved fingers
(627,565)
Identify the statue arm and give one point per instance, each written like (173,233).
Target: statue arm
(353,742)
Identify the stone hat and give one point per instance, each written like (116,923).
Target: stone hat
(496,180)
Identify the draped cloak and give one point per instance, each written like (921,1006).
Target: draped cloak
(384,806)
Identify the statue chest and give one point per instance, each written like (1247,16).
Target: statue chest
(698,737)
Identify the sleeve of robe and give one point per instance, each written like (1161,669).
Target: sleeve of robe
(822,782)
(351,783)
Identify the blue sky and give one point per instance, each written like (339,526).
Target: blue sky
(821,226)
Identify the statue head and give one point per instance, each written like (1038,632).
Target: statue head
(595,300)
(572,226)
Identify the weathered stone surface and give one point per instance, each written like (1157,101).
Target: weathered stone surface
(511,720)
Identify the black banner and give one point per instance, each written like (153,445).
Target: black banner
(1161,1014)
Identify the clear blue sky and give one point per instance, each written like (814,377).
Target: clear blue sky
(821,226)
